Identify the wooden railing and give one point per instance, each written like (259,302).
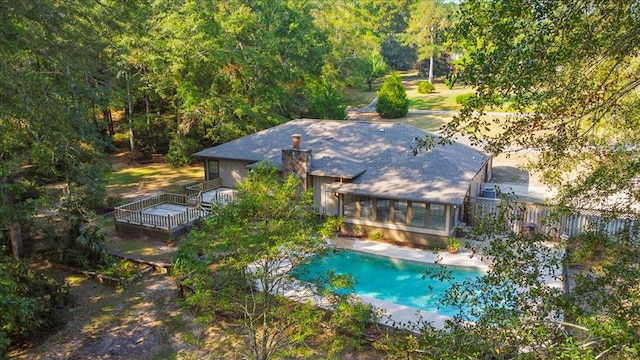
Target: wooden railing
(133,212)
(224,198)
(204,186)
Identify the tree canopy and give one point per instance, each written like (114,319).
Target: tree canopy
(254,242)
(570,74)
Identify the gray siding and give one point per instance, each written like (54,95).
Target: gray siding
(232,172)
(325,200)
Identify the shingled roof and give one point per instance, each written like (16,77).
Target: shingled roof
(375,158)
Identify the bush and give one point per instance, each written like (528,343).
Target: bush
(392,98)
(425,87)
(376,235)
(30,303)
(124,270)
(351,316)
(81,245)
(180,151)
(464,98)
(324,100)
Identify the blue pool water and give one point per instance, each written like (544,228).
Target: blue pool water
(387,279)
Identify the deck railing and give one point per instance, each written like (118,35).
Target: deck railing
(164,198)
(133,212)
(204,186)
(224,198)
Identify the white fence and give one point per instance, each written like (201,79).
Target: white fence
(520,216)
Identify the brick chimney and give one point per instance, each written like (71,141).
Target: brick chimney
(297,161)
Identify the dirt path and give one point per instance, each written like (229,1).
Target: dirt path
(143,321)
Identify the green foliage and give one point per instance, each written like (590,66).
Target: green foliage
(351,316)
(153,133)
(575,96)
(399,57)
(595,320)
(465,98)
(375,235)
(81,244)
(425,87)
(31,304)
(590,248)
(430,20)
(392,98)
(253,242)
(180,151)
(123,269)
(325,100)
(454,244)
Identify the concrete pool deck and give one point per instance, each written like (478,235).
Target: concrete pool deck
(400,316)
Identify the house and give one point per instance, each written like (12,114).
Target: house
(365,171)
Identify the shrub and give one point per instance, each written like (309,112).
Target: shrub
(30,303)
(375,235)
(464,98)
(351,316)
(124,270)
(180,151)
(80,245)
(425,87)
(392,98)
(324,100)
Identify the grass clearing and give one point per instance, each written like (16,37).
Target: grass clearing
(359,99)
(142,179)
(429,122)
(442,98)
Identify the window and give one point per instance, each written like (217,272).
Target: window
(214,169)
(349,206)
(400,211)
(382,210)
(366,208)
(418,214)
(436,216)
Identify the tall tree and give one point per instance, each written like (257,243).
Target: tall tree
(48,55)
(387,17)
(427,25)
(571,72)
(257,240)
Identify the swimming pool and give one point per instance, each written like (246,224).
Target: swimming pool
(387,279)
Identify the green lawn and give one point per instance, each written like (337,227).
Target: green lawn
(152,177)
(442,98)
(429,122)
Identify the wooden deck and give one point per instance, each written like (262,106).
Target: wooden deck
(171,214)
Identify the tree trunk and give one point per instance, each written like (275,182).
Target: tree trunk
(370,83)
(433,40)
(431,69)
(15,231)
(147,105)
(130,114)
(17,246)
(106,114)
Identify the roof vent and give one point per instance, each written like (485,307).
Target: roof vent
(381,130)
